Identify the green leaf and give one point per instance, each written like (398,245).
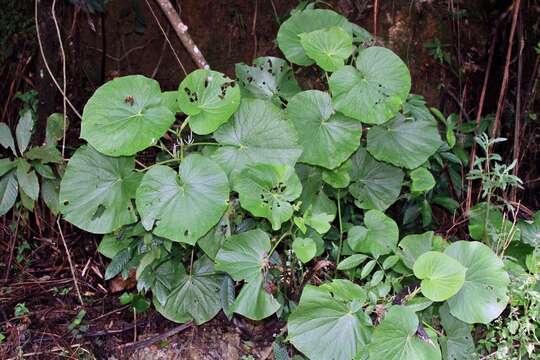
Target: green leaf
(55,128)
(356,236)
(351,262)
(227,296)
(304,249)
(213,240)
(258,134)
(288,37)
(442,276)
(368,268)
(26,201)
(27,178)
(421,180)
(45,153)
(209,98)
(326,326)
(9,188)
(45,171)
(457,343)
(161,278)
(6,165)
(96,191)
(200,194)
(23,131)
(374,91)
(269,78)
(6,139)
(118,263)
(267,191)
(245,257)
(328,138)
(110,245)
(412,246)
(125,115)
(339,177)
(404,142)
(396,339)
(374,184)
(530,230)
(382,235)
(320,213)
(490,225)
(170,100)
(483,296)
(329,47)
(195,296)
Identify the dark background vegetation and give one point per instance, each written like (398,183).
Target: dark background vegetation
(445,43)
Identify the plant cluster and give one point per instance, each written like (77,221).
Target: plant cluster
(264,185)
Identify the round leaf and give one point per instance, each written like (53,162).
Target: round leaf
(382,235)
(328,138)
(441,275)
(374,91)
(396,339)
(483,296)
(183,208)
(374,184)
(258,134)
(209,98)
(304,248)
(404,142)
(422,180)
(268,78)
(96,191)
(329,47)
(327,323)
(125,115)
(267,190)
(306,21)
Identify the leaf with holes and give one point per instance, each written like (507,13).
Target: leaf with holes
(382,234)
(404,142)
(194,296)
(483,296)
(269,78)
(245,257)
(396,338)
(374,184)
(288,37)
(200,193)
(258,134)
(329,323)
(125,115)
(96,191)
(374,91)
(209,98)
(328,138)
(267,191)
(442,276)
(329,47)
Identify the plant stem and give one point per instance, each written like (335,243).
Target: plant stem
(340,228)
(283,236)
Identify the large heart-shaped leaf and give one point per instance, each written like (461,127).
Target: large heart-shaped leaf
(404,142)
(9,188)
(374,91)
(245,257)
(328,138)
(209,98)
(306,21)
(328,323)
(457,343)
(125,115)
(483,296)
(267,191)
(269,78)
(382,234)
(329,47)
(442,276)
(396,338)
(412,246)
(375,185)
(96,191)
(196,295)
(183,208)
(258,134)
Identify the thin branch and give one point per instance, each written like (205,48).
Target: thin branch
(47,67)
(71,267)
(181,30)
(64,79)
(517,124)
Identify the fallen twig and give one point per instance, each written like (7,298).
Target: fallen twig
(139,344)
